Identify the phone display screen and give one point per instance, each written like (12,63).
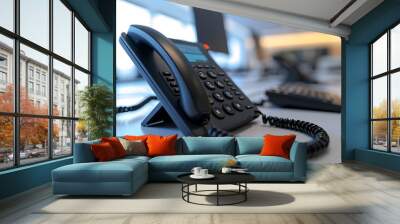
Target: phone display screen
(191,52)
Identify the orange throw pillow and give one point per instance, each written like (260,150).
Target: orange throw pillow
(275,145)
(136,137)
(103,152)
(161,145)
(116,145)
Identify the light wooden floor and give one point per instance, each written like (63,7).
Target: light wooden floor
(379,189)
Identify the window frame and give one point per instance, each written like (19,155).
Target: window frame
(16,114)
(388,74)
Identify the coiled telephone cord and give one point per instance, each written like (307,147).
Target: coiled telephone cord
(320,136)
(136,106)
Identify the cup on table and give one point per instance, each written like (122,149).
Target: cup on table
(196,171)
(203,172)
(226,170)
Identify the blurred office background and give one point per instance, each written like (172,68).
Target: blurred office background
(261,55)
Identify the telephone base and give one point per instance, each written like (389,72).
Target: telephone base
(158,117)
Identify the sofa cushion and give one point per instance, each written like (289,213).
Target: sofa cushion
(249,145)
(137,147)
(207,145)
(257,163)
(103,152)
(185,163)
(116,145)
(83,152)
(161,145)
(112,171)
(277,145)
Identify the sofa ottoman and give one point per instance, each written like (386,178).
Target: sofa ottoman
(118,177)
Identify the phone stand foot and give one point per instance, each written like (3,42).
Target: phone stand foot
(157,117)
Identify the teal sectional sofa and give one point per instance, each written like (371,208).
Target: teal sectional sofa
(125,176)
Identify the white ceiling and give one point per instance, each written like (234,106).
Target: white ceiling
(261,27)
(320,9)
(311,15)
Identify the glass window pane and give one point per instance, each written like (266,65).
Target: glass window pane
(7,14)
(81,81)
(379,55)
(379,135)
(395,47)
(395,94)
(34,96)
(62,89)
(81,45)
(81,131)
(35,21)
(62,29)
(33,139)
(62,138)
(6,142)
(6,74)
(395,135)
(379,97)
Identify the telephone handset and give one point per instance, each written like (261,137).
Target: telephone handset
(195,93)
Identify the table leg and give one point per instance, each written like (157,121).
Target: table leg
(188,189)
(195,188)
(217,194)
(245,193)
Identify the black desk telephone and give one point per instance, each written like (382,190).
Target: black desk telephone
(193,90)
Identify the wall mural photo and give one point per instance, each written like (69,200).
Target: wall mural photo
(244,69)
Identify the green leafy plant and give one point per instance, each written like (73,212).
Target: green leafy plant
(96,102)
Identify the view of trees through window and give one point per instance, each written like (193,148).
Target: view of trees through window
(385,91)
(40,84)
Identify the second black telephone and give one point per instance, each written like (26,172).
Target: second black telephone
(192,89)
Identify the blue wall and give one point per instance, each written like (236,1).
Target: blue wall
(99,15)
(355,128)
(24,178)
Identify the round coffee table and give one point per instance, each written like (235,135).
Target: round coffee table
(238,179)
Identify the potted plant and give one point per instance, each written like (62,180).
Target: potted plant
(96,103)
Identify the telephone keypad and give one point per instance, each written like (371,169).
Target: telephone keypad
(218,113)
(228,109)
(212,74)
(209,85)
(228,95)
(218,97)
(202,75)
(167,73)
(170,78)
(224,96)
(220,84)
(238,106)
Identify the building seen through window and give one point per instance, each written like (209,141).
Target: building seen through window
(35,117)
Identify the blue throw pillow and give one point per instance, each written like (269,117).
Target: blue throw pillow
(249,145)
(208,145)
